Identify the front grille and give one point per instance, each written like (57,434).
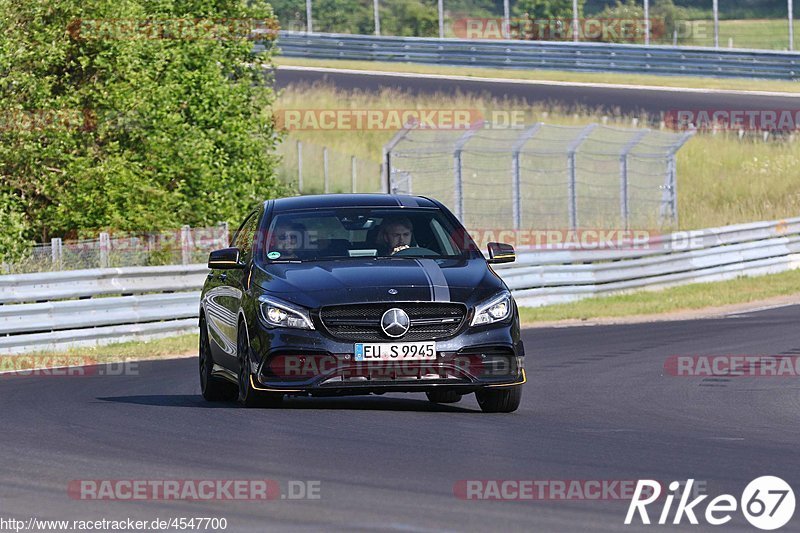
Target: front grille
(362,322)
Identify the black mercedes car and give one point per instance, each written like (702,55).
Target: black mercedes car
(358,294)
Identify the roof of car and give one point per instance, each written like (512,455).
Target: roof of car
(327,201)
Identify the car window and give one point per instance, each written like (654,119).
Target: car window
(243,240)
(355,232)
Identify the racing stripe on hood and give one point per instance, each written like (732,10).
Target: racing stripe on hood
(440,290)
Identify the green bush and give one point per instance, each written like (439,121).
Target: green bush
(105,127)
(664,16)
(13,241)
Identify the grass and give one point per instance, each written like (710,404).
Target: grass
(118,352)
(763,34)
(555,75)
(721,179)
(687,297)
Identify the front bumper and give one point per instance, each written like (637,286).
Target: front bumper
(313,362)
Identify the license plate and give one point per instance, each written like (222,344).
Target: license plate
(395,351)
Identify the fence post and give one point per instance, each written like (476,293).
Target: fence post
(669,199)
(573,174)
(225,236)
(325,166)
(186,250)
(55,250)
(386,162)
(625,210)
(516,194)
(353,173)
(458,195)
(105,247)
(300,167)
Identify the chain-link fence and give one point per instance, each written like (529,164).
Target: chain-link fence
(542,176)
(315,169)
(756,24)
(183,246)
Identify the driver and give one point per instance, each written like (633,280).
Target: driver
(396,234)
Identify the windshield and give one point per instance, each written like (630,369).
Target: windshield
(358,233)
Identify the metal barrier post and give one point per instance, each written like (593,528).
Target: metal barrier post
(300,167)
(516,199)
(669,198)
(325,167)
(225,238)
(458,197)
(441,18)
(353,173)
(573,177)
(105,248)
(386,169)
(56,252)
(623,176)
(186,250)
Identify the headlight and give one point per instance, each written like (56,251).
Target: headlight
(493,310)
(279,314)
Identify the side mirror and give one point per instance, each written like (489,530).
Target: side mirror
(224,259)
(501,253)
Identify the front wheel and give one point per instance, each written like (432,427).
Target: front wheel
(212,388)
(499,400)
(248,396)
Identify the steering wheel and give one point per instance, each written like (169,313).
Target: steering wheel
(415,250)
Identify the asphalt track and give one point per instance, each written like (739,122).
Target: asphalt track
(610,99)
(597,406)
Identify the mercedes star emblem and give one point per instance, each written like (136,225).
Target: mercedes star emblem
(395,323)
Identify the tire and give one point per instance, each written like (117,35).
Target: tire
(499,401)
(248,396)
(443,396)
(212,388)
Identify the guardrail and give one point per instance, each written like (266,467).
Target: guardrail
(54,310)
(716,254)
(59,309)
(597,57)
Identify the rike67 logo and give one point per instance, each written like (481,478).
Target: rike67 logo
(767,503)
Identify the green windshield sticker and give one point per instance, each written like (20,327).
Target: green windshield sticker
(273,255)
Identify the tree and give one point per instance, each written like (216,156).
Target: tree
(133,115)
(547,9)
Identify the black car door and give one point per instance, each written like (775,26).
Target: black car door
(232,286)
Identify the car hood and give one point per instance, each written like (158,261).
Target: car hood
(324,283)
